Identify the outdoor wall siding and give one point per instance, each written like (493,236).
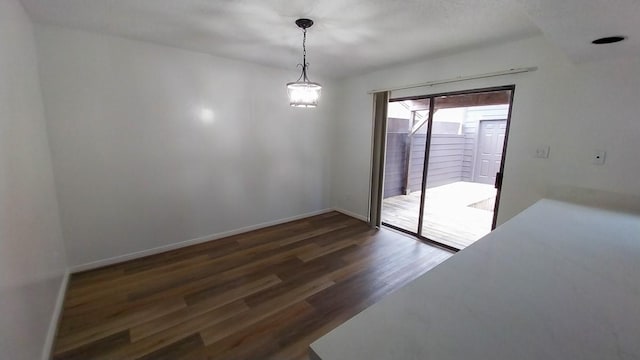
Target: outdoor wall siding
(470,134)
(445,158)
(394,164)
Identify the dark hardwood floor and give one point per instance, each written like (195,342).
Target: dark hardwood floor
(259,295)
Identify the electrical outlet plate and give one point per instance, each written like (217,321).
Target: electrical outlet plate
(542,152)
(598,157)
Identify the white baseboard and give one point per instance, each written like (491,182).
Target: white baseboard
(55,318)
(352,214)
(178,245)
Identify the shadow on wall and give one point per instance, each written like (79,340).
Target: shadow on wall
(596,198)
(22,309)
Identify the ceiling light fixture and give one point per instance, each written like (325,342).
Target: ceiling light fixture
(302,92)
(609,40)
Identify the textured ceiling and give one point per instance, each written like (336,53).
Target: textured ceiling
(350,36)
(573,24)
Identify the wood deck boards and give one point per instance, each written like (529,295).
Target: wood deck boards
(264,294)
(454,213)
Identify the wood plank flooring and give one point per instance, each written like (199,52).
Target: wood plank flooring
(266,294)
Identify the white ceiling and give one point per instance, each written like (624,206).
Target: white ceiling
(573,24)
(349,37)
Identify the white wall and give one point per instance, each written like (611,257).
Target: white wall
(32,260)
(136,168)
(573,108)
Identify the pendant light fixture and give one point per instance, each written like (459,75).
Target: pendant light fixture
(302,92)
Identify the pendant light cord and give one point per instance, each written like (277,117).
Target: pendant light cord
(304,64)
(304,54)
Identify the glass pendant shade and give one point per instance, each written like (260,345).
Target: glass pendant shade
(303,94)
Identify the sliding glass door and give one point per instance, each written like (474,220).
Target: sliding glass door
(407,132)
(443,164)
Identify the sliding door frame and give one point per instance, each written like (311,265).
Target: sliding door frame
(425,167)
(500,174)
(425,170)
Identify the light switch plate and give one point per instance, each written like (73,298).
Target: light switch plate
(598,157)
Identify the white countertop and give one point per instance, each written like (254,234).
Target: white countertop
(558,281)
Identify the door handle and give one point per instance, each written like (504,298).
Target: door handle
(498,183)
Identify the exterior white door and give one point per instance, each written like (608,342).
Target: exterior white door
(489,154)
